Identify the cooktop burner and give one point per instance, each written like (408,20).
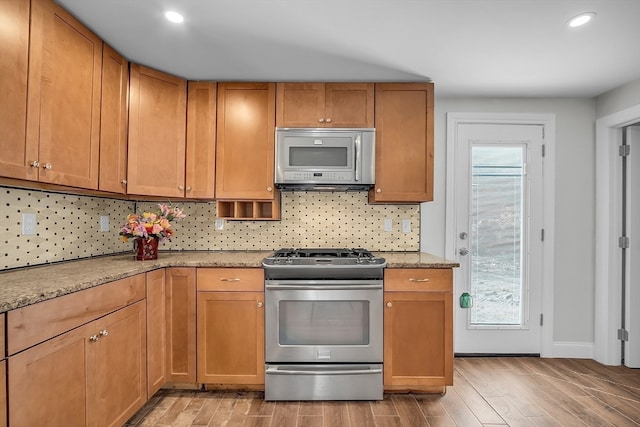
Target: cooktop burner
(323,253)
(331,263)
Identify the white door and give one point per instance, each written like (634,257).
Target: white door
(499,232)
(632,259)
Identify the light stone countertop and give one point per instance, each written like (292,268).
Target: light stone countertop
(30,285)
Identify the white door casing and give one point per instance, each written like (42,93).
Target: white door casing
(632,282)
(608,226)
(502,340)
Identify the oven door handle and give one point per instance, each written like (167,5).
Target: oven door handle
(323,372)
(276,287)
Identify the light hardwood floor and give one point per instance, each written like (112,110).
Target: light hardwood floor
(518,391)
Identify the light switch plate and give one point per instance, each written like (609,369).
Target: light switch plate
(388,224)
(29,223)
(104,223)
(406,226)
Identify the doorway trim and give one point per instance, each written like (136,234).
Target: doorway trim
(548,121)
(608,225)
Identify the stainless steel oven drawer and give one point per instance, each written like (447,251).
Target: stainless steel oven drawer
(323,382)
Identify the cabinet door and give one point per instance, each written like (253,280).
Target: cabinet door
(404,143)
(300,105)
(349,105)
(181,325)
(231,337)
(63,109)
(418,339)
(246,134)
(113,122)
(117,385)
(201,140)
(157,127)
(156,331)
(3,393)
(47,383)
(15,156)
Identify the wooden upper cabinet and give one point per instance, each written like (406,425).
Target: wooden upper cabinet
(245,146)
(14,39)
(404,143)
(339,105)
(63,106)
(113,122)
(157,129)
(201,140)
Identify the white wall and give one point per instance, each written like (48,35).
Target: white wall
(574,202)
(618,99)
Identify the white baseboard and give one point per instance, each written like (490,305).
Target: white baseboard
(572,350)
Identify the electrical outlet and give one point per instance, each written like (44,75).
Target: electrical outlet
(219,224)
(29,223)
(104,223)
(406,226)
(388,224)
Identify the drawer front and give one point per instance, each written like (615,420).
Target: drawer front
(33,324)
(230,279)
(418,279)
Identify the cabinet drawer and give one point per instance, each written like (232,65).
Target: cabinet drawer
(230,279)
(28,326)
(418,279)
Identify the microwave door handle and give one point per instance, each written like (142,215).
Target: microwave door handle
(357,157)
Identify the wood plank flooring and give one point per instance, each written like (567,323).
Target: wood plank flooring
(518,391)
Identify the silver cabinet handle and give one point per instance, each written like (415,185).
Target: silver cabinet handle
(260,304)
(233,279)
(389,304)
(123,181)
(103,333)
(47,166)
(378,190)
(269,189)
(188,188)
(357,156)
(180,187)
(321,120)
(94,338)
(328,120)
(418,280)
(35,164)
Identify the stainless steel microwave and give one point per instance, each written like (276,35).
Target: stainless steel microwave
(325,159)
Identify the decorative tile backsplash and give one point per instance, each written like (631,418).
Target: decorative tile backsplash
(68,226)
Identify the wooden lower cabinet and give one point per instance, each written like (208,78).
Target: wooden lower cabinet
(231,326)
(181,324)
(418,329)
(93,375)
(156,331)
(3,393)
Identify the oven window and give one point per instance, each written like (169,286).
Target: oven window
(318,156)
(324,322)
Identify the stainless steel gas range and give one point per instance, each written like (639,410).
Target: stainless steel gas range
(324,329)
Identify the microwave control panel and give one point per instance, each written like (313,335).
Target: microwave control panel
(317,176)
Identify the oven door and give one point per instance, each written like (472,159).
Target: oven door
(323,321)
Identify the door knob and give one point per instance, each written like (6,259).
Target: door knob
(463,251)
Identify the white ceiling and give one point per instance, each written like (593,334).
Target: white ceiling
(497,48)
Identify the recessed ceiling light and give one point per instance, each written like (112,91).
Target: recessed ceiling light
(174,16)
(581,19)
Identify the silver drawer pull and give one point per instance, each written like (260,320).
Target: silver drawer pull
(233,279)
(418,280)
